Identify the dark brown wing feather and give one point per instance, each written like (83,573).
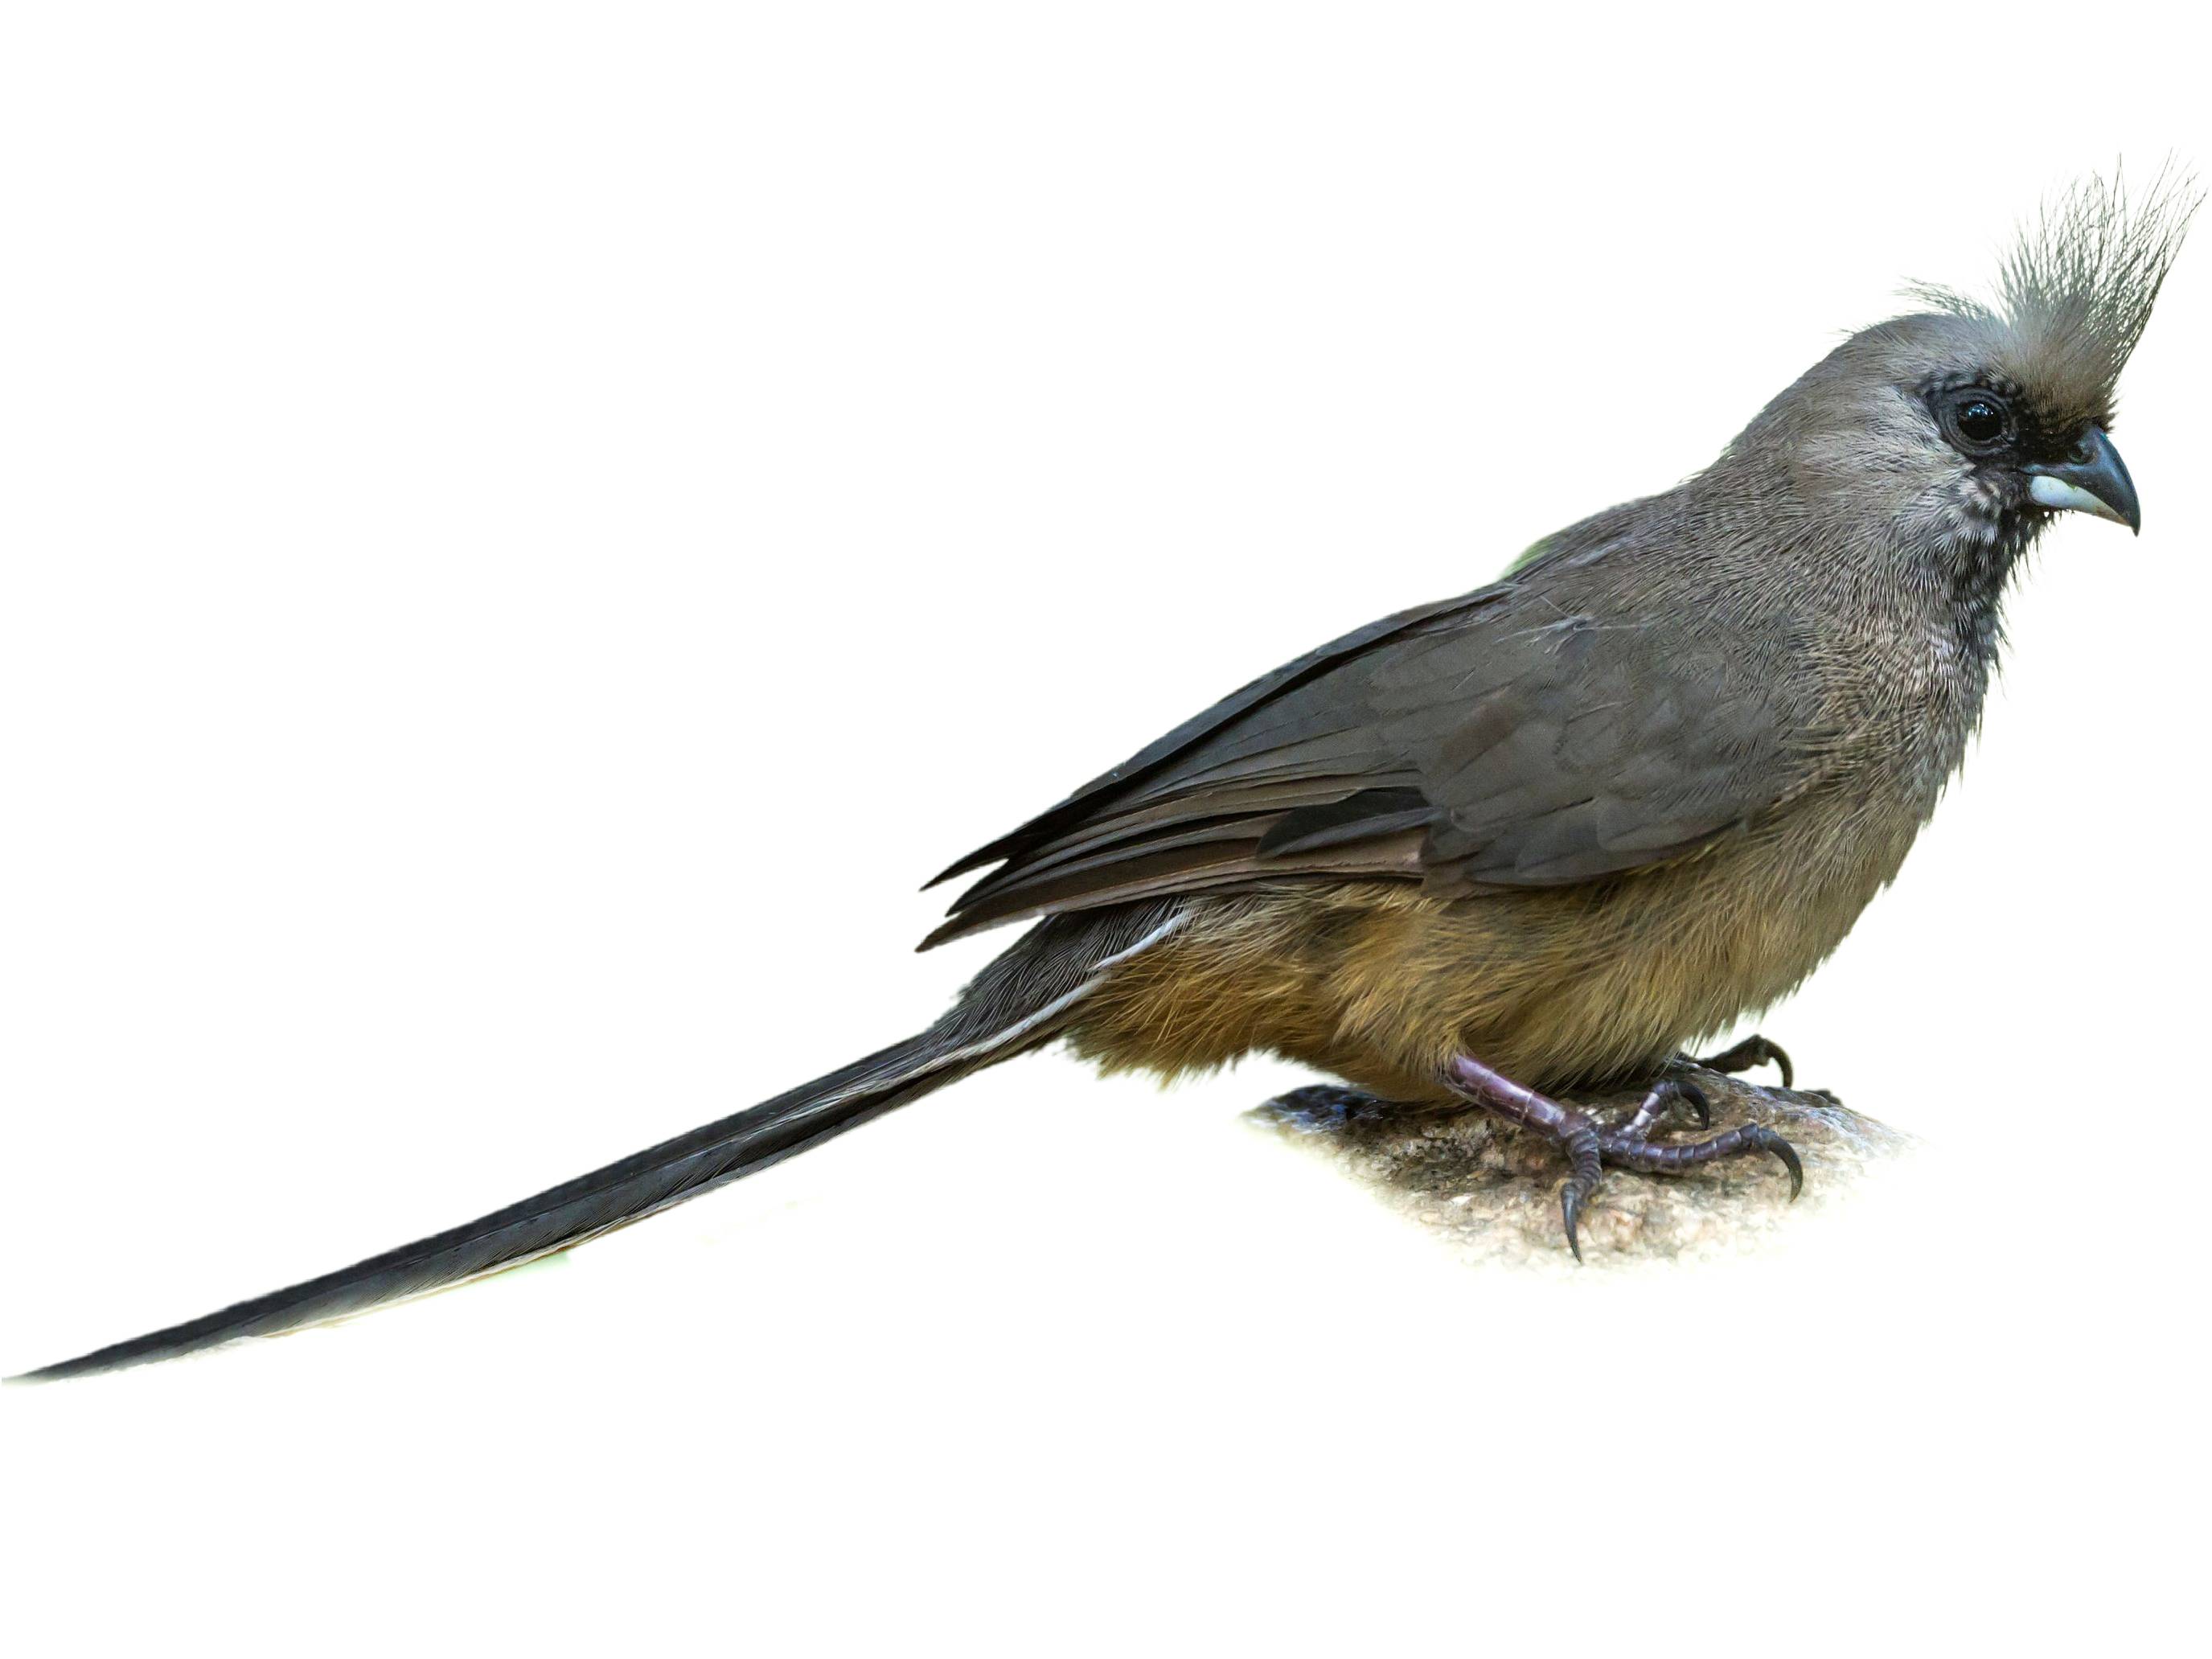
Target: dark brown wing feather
(1500,739)
(1156,754)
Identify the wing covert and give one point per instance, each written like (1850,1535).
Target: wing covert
(1527,734)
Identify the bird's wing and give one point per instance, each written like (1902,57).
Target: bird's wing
(1506,738)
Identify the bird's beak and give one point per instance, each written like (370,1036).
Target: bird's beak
(2094,479)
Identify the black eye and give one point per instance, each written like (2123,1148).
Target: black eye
(1982,421)
(1978,420)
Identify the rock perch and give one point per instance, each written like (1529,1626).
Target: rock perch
(1493,1191)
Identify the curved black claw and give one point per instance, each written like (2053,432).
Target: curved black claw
(1698,1103)
(1581,1147)
(1769,1140)
(1753,1050)
(1664,1093)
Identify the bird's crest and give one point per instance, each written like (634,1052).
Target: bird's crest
(2075,293)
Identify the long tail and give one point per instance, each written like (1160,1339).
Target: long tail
(1022,1001)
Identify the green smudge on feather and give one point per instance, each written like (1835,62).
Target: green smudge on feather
(1528,555)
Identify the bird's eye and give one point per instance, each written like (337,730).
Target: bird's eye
(1981,421)
(1978,420)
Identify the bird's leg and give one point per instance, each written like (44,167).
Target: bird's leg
(1753,1050)
(1588,1147)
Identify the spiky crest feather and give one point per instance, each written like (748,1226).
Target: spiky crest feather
(2075,292)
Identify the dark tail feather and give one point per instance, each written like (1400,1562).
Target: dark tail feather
(1020,1002)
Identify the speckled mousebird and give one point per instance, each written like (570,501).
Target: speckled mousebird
(1550,832)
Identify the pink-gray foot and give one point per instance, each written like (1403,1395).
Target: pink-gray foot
(1589,1146)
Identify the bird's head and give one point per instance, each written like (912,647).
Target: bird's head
(1964,427)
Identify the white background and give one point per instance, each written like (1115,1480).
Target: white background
(529,530)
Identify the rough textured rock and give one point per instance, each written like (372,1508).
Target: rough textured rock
(1492,1190)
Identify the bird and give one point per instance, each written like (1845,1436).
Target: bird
(1555,832)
